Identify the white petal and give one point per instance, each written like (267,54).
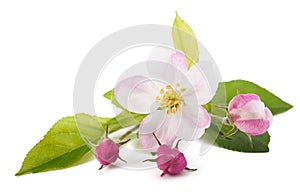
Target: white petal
(199,87)
(166,133)
(167,65)
(193,123)
(152,122)
(137,94)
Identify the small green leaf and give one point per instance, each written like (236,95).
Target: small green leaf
(227,90)
(239,141)
(62,146)
(185,40)
(111,96)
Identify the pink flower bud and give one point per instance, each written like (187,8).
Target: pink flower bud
(107,152)
(249,114)
(170,161)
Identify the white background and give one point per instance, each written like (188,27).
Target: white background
(42,45)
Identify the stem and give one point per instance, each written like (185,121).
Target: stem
(176,146)
(218,118)
(106,131)
(128,132)
(150,160)
(250,141)
(101,167)
(224,108)
(190,169)
(230,132)
(122,159)
(220,107)
(123,142)
(156,139)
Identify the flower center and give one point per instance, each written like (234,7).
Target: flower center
(170,99)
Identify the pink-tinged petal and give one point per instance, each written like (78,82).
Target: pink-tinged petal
(196,86)
(241,100)
(107,152)
(137,94)
(253,127)
(178,60)
(170,161)
(193,123)
(165,156)
(253,109)
(167,65)
(269,115)
(165,133)
(177,166)
(164,161)
(152,122)
(166,150)
(170,56)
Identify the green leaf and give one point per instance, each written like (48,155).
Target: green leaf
(111,96)
(239,141)
(185,40)
(227,90)
(125,119)
(62,146)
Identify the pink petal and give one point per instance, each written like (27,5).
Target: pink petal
(107,152)
(170,161)
(193,123)
(253,109)
(166,150)
(269,115)
(178,165)
(165,156)
(253,126)
(164,161)
(241,100)
(137,94)
(198,86)
(165,132)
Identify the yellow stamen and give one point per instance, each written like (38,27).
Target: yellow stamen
(174,110)
(170,99)
(168,111)
(169,87)
(162,91)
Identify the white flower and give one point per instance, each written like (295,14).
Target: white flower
(172,97)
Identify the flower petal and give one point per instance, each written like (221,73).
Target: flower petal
(166,150)
(253,126)
(167,65)
(165,133)
(164,161)
(269,115)
(253,109)
(178,165)
(198,86)
(241,100)
(152,122)
(170,56)
(193,123)
(137,94)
